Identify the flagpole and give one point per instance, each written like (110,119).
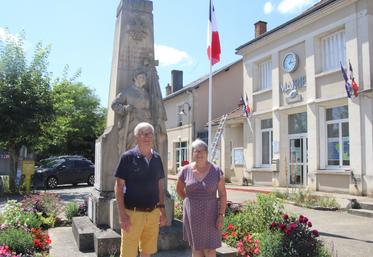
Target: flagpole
(210,106)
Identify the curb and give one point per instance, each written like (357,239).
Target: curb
(228,187)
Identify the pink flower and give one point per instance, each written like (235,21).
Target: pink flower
(256,250)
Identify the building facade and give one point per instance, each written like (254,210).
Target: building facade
(187,109)
(304,131)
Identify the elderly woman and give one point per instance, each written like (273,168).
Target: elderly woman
(203,214)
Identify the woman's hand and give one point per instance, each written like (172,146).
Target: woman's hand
(220,222)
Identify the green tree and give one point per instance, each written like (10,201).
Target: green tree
(25,98)
(78,121)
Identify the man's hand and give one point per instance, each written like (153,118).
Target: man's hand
(163,219)
(125,222)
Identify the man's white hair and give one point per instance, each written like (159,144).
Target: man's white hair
(143,126)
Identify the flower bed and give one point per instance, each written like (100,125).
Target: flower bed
(262,229)
(24,225)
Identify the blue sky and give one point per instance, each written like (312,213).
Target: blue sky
(81,33)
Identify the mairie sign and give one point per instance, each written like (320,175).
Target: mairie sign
(294,84)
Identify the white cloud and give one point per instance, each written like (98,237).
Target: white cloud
(268,7)
(294,6)
(6,36)
(170,56)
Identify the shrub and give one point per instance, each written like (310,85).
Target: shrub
(18,240)
(328,202)
(12,213)
(253,218)
(71,210)
(281,195)
(298,238)
(269,243)
(47,203)
(14,216)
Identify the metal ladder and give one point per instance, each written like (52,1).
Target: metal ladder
(217,137)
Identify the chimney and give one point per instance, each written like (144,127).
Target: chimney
(260,28)
(168,89)
(176,80)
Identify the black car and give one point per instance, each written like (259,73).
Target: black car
(64,171)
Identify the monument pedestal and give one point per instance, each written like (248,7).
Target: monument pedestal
(133,51)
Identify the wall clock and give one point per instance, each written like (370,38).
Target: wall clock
(290,62)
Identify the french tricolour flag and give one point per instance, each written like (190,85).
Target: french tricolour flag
(213,42)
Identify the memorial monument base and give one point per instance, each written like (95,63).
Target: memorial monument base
(105,241)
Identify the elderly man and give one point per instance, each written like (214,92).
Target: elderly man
(139,191)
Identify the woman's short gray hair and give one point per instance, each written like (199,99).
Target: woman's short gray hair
(198,143)
(143,126)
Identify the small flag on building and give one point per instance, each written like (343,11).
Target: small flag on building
(355,86)
(347,84)
(247,109)
(213,42)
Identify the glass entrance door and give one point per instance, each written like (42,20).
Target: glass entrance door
(298,160)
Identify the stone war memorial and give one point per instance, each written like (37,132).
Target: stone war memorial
(134,96)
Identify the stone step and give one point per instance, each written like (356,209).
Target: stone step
(366,205)
(361,212)
(107,243)
(83,231)
(226,251)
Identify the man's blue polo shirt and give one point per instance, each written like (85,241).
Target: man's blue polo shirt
(142,188)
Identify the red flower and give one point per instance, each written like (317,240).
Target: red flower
(248,238)
(309,224)
(234,234)
(225,235)
(282,226)
(230,227)
(301,218)
(274,224)
(285,216)
(315,233)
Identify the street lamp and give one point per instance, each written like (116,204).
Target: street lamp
(183,113)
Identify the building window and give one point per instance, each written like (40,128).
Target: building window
(333,51)
(265,71)
(181,153)
(298,123)
(267,139)
(338,140)
(238,156)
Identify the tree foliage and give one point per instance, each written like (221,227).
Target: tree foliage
(77,122)
(25,97)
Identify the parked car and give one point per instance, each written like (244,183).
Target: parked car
(51,158)
(64,170)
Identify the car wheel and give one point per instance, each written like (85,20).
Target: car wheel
(52,182)
(91,180)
